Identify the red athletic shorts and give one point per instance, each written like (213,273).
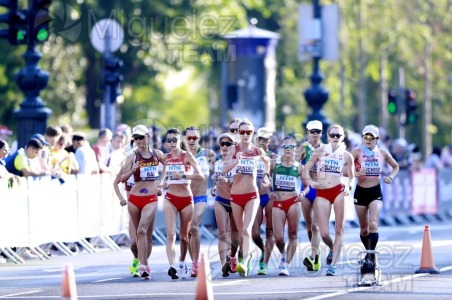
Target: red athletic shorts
(331,193)
(142,201)
(179,202)
(242,199)
(285,204)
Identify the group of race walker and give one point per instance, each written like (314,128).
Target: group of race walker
(253,186)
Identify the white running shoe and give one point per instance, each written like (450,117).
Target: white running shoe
(183,270)
(284,270)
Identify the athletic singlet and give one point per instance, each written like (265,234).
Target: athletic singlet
(373,163)
(332,162)
(218,168)
(309,149)
(247,165)
(148,167)
(202,161)
(177,165)
(285,178)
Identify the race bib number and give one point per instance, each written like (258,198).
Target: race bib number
(246,166)
(285,182)
(149,173)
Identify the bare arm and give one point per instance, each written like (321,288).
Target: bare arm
(229,162)
(190,159)
(395,167)
(116,183)
(129,168)
(350,165)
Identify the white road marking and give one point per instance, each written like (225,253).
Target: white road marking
(20,294)
(108,279)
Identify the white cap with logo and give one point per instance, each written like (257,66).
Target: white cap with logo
(371,129)
(264,132)
(140,130)
(224,135)
(314,125)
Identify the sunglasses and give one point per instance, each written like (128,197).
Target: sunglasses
(288,147)
(263,139)
(247,132)
(233,130)
(172,140)
(335,135)
(315,131)
(138,137)
(227,144)
(369,137)
(192,138)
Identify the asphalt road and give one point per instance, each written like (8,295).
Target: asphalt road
(105,275)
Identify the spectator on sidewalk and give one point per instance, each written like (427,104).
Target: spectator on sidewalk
(433,161)
(4,174)
(103,150)
(61,159)
(446,156)
(24,163)
(5,134)
(84,155)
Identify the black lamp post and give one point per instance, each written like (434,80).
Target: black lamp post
(316,95)
(32,115)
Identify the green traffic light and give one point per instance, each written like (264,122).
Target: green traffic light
(392,108)
(42,35)
(20,35)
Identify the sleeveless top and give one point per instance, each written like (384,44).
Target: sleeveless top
(285,178)
(247,165)
(201,158)
(332,162)
(373,162)
(309,150)
(218,168)
(177,165)
(148,167)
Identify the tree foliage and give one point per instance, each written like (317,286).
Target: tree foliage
(166,40)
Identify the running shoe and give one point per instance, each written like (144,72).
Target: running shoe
(226,269)
(241,269)
(329,258)
(309,263)
(367,267)
(244,270)
(283,259)
(183,270)
(233,264)
(172,272)
(145,272)
(318,262)
(261,259)
(194,269)
(284,270)
(262,269)
(134,268)
(331,270)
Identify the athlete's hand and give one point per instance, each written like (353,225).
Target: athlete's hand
(123,202)
(361,172)
(238,155)
(273,196)
(388,180)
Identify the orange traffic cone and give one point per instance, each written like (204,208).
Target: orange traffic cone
(68,288)
(204,290)
(427,261)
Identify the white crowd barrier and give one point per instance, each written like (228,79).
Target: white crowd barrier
(42,210)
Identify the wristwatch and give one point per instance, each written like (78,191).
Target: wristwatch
(184,176)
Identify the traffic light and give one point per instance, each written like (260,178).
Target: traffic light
(232,95)
(40,16)
(112,77)
(410,106)
(392,102)
(16,20)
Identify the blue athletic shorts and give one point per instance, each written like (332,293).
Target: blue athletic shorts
(264,199)
(198,199)
(312,194)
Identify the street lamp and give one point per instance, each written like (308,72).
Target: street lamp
(316,95)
